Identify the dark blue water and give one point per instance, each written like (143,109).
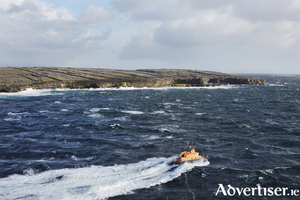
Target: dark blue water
(118,143)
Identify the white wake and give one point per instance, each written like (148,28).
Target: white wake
(95,182)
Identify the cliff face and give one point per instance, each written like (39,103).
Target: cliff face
(14,79)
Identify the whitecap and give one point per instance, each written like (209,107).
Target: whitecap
(64,110)
(23,113)
(158,112)
(116,126)
(96,115)
(57,102)
(133,112)
(29,92)
(73,157)
(153,137)
(95,110)
(43,111)
(13,118)
(104,108)
(121,118)
(200,113)
(163,130)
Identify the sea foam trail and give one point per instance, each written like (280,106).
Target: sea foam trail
(95,182)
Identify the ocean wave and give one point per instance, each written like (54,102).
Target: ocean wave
(133,112)
(45,92)
(16,118)
(158,112)
(95,109)
(30,92)
(23,113)
(200,113)
(96,115)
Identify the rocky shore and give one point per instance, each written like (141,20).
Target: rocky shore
(15,79)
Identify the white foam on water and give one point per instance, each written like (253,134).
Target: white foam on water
(200,113)
(163,130)
(121,118)
(64,110)
(95,110)
(23,113)
(43,111)
(116,126)
(29,92)
(15,116)
(133,112)
(98,109)
(158,112)
(45,92)
(276,85)
(104,108)
(153,137)
(152,88)
(96,115)
(95,182)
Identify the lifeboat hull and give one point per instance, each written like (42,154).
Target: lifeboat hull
(189,161)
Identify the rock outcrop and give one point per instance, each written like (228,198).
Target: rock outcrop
(14,79)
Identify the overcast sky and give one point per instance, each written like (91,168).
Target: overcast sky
(231,36)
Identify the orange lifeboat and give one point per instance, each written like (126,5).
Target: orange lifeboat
(189,156)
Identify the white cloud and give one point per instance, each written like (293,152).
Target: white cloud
(173,33)
(214,33)
(92,14)
(45,34)
(207,27)
(35,10)
(5,4)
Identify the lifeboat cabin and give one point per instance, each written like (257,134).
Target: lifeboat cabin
(188,156)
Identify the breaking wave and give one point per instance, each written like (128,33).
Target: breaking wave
(45,92)
(30,93)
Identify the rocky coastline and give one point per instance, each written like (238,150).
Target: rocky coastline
(15,79)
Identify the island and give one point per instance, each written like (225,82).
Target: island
(15,79)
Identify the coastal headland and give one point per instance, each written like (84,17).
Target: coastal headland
(15,79)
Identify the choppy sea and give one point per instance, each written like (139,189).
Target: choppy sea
(119,143)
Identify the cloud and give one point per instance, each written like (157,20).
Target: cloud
(130,5)
(204,23)
(171,32)
(35,32)
(92,14)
